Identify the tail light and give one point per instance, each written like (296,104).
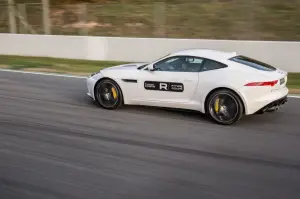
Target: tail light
(270,83)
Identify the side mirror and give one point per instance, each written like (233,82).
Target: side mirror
(151,67)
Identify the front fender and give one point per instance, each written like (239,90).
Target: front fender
(91,81)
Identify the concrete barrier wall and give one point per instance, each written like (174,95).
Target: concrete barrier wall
(285,55)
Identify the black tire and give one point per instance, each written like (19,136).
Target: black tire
(230,109)
(106,99)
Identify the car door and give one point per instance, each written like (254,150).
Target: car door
(174,79)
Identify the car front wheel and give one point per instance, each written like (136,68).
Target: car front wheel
(224,107)
(108,94)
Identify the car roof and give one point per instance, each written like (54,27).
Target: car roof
(217,55)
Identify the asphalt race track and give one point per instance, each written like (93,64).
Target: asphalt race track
(55,143)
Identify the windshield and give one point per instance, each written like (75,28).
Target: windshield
(252,63)
(144,65)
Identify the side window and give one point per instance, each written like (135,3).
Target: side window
(180,64)
(212,65)
(172,60)
(194,60)
(167,64)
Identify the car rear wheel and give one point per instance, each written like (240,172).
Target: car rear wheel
(224,107)
(108,94)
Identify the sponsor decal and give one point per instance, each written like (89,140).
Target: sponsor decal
(164,86)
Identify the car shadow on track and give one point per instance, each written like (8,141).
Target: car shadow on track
(188,115)
(157,111)
(166,112)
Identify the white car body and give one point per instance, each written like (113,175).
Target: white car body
(197,85)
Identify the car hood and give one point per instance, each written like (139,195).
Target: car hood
(130,66)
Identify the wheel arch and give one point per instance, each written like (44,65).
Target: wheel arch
(225,88)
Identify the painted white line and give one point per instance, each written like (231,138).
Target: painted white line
(294,96)
(79,77)
(41,73)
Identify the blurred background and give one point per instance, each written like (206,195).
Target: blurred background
(205,19)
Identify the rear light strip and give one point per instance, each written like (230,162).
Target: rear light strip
(270,83)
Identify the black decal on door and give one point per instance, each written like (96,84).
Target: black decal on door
(164,86)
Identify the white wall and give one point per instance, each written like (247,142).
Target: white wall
(285,55)
(50,46)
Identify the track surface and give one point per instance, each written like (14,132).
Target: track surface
(55,143)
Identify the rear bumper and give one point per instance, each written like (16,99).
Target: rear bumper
(273,105)
(257,99)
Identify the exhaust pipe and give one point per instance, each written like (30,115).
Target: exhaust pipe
(273,106)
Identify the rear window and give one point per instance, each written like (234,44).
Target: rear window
(253,63)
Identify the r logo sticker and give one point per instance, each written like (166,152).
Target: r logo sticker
(164,86)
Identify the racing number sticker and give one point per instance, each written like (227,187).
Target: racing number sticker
(164,86)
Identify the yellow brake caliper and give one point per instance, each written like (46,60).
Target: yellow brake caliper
(114,92)
(217,103)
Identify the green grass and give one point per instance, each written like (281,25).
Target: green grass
(294,80)
(81,67)
(67,66)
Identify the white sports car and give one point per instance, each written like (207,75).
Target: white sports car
(223,85)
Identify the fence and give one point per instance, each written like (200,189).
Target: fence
(214,19)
